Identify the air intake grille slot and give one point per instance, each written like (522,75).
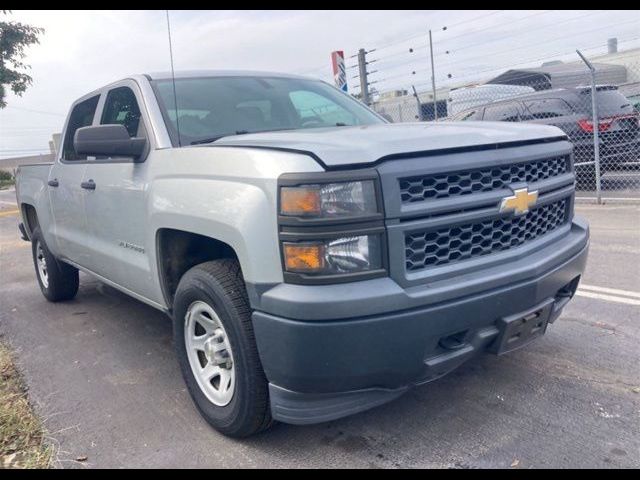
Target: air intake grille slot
(446,245)
(445,185)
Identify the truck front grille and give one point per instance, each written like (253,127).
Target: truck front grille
(462,242)
(444,185)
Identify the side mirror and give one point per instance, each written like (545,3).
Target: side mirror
(109,140)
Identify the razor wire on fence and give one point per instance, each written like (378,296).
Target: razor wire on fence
(604,129)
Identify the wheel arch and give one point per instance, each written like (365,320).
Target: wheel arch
(179,250)
(30,218)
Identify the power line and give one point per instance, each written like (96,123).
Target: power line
(522,32)
(471,20)
(35,111)
(414,35)
(449,52)
(524,75)
(524,62)
(397,42)
(562,37)
(456,50)
(496,25)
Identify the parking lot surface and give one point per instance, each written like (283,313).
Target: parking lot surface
(102,373)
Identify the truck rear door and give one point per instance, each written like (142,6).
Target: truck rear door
(67,188)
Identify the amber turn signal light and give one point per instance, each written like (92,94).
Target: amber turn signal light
(304,257)
(301,201)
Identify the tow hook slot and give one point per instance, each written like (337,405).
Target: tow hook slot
(563,296)
(454,341)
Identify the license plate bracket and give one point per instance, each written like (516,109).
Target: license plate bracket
(518,330)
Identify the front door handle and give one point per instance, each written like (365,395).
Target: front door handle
(90,185)
(53,183)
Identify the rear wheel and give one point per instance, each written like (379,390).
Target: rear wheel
(217,350)
(58,281)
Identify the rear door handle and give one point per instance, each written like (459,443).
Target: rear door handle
(90,185)
(53,183)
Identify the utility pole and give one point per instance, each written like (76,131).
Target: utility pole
(433,80)
(364,81)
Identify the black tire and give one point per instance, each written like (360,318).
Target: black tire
(62,279)
(220,285)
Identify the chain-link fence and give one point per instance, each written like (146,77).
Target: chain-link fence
(606,151)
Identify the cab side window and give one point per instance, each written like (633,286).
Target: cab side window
(121,107)
(81,116)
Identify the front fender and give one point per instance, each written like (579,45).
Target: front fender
(239,214)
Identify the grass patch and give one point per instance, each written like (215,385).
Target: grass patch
(21,433)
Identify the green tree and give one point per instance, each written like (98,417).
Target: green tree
(14,38)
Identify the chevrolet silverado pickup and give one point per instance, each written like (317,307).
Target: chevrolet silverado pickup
(316,260)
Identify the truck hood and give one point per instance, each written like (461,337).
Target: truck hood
(361,145)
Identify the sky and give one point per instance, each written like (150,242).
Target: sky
(84,50)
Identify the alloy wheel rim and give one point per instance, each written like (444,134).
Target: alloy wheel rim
(209,352)
(41,263)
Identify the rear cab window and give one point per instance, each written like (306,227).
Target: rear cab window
(81,116)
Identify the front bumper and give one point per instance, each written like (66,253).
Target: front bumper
(331,352)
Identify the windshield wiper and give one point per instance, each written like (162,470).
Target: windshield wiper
(238,132)
(246,132)
(218,137)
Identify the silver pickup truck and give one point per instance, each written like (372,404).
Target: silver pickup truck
(316,260)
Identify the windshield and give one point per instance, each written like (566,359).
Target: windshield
(213,107)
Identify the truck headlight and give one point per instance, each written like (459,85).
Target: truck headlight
(329,200)
(335,256)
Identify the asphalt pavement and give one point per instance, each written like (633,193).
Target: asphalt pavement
(102,373)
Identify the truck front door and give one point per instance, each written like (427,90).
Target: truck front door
(116,208)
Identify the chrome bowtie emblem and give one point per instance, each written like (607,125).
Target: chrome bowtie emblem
(520,202)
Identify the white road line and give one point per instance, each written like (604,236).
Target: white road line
(612,291)
(617,199)
(608,298)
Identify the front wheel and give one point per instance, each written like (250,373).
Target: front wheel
(217,351)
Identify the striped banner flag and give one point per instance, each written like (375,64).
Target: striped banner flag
(339,70)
